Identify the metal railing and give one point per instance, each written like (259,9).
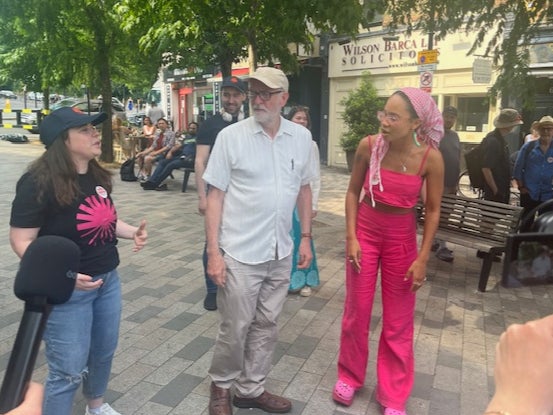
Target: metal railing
(11,118)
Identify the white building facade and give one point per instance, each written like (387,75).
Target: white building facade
(394,64)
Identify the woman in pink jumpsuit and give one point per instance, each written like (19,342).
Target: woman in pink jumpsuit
(391,169)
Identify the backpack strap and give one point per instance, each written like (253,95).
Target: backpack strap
(527,152)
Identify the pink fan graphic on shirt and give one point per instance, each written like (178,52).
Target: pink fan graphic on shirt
(96,220)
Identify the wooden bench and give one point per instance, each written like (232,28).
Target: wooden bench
(477,224)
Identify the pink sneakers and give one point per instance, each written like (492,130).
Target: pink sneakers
(343,393)
(390,411)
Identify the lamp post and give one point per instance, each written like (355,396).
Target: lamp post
(86,92)
(431,24)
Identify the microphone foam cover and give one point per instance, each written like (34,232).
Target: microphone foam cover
(48,269)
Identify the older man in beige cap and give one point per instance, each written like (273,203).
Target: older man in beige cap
(496,164)
(258,170)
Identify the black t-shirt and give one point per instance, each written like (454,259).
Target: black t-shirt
(89,221)
(495,156)
(450,147)
(210,128)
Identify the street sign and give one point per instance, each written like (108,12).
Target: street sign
(426,79)
(482,71)
(427,56)
(431,67)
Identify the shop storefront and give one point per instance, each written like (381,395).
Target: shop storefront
(541,69)
(394,64)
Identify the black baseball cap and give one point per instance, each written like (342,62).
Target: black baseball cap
(234,82)
(63,119)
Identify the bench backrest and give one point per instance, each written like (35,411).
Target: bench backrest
(481,219)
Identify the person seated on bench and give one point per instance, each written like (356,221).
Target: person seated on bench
(163,142)
(181,155)
(148,133)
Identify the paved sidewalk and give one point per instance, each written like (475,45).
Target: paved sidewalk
(166,336)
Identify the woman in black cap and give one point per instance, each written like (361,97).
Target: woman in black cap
(66,192)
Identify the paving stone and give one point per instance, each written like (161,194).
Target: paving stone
(196,348)
(174,392)
(144,314)
(166,337)
(181,321)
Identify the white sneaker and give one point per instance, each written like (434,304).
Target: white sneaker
(105,409)
(305,291)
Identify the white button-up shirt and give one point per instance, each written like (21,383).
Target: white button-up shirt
(262,178)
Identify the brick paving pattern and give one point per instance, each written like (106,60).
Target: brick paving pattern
(166,338)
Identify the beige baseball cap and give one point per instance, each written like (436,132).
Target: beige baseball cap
(272,77)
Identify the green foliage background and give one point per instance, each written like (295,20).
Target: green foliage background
(360,108)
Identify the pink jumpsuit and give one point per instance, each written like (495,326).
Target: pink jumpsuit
(388,241)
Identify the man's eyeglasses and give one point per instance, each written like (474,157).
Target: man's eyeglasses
(264,95)
(390,116)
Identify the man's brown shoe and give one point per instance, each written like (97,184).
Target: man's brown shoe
(266,402)
(219,401)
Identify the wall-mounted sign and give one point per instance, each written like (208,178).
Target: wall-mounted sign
(426,79)
(482,71)
(425,57)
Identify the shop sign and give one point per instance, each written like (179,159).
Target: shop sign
(377,54)
(482,71)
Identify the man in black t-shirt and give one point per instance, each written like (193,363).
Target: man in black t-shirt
(496,165)
(233,95)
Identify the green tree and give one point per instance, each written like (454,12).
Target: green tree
(504,28)
(360,113)
(201,34)
(68,43)
(28,38)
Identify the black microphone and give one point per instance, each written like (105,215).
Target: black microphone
(46,276)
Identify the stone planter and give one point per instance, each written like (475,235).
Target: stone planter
(350,155)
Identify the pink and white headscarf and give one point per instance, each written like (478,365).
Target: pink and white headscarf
(431,131)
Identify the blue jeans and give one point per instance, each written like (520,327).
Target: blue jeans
(81,338)
(209,284)
(165,167)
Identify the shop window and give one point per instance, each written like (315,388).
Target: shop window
(473,114)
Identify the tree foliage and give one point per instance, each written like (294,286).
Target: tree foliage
(504,28)
(360,108)
(216,33)
(64,44)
